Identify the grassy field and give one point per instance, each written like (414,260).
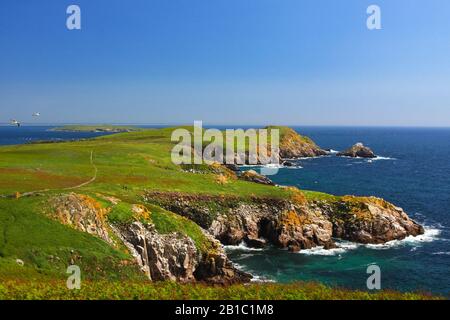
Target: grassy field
(36,249)
(174,291)
(124,165)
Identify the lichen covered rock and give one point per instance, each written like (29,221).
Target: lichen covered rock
(295,223)
(82,213)
(294,145)
(175,257)
(369,220)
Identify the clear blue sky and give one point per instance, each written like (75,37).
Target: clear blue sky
(289,62)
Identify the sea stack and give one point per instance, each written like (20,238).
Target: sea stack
(359,150)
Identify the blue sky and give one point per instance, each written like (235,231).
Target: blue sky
(295,62)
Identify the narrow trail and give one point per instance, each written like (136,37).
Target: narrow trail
(30,193)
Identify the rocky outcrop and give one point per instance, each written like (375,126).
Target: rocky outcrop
(368,220)
(257,222)
(359,150)
(281,223)
(291,223)
(175,257)
(82,213)
(253,176)
(171,256)
(293,145)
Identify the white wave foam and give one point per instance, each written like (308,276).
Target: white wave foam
(333,151)
(442,253)
(241,247)
(342,247)
(270,166)
(370,159)
(255,278)
(382,158)
(261,279)
(430,235)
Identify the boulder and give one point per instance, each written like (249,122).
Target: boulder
(253,176)
(288,164)
(359,150)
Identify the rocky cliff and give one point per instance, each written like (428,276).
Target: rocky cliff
(294,223)
(161,256)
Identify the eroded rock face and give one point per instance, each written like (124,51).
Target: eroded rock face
(175,257)
(285,225)
(294,225)
(82,213)
(162,257)
(358,150)
(257,222)
(369,220)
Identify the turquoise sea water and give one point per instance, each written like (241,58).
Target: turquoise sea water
(413,172)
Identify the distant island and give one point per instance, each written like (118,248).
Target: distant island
(97,128)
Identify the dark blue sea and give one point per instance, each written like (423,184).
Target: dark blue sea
(10,135)
(412,171)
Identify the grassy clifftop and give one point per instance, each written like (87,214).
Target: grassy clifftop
(115,171)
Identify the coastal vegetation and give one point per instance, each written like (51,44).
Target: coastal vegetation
(96,202)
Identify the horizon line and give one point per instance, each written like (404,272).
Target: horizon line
(45,124)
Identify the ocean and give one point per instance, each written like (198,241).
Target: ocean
(412,171)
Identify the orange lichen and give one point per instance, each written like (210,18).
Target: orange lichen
(140,212)
(291,218)
(221,179)
(297,196)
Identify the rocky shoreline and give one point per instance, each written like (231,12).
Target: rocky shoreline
(295,224)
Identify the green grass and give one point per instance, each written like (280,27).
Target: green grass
(48,247)
(127,163)
(175,291)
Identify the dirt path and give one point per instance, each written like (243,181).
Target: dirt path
(91,180)
(30,193)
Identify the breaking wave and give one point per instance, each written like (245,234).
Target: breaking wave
(430,235)
(241,247)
